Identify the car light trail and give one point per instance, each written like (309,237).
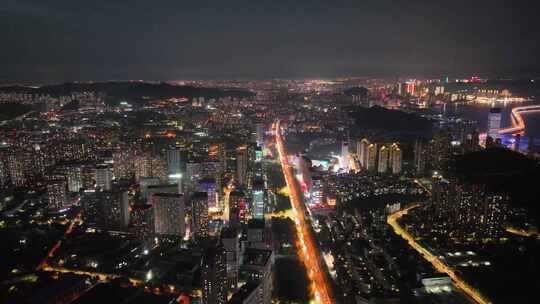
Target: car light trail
(309,250)
(437,264)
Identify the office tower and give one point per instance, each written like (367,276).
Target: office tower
(214,275)
(371,158)
(199,216)
(209,186)
(383,159)
(242,161)
(56,193)
(317,191)
(396,156)
(169,214)
(259,198)
(104,177)
(494,123)
(257,269)
(74,178)
(176,157)
(229,237)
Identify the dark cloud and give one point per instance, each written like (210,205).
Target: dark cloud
(61,40)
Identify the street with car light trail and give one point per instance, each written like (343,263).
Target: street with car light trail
(309,249)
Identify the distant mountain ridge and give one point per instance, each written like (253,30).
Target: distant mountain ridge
(129,89)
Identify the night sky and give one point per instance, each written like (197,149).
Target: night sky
(61,40)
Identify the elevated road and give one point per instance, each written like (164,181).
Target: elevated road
(309,252)
(518,124)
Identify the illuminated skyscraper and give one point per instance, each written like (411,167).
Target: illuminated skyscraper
(259,198)
(176,157)
(362,152)
(199,217)
(209,186)
(104,177)
(371,158)
(169,214)
(344,157)
(74,178)
(317,191)
(395,158)
(242,160)
(494,123)
(383,159)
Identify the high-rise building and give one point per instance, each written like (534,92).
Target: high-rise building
(317,190)
(383,159)
(161,188)
(56,193)
(169,214)
(419,157)
(209,186)
(494,123)
(344,157)
(371,158)
(259,198)
(199,216)
(395,158)
(214,275)
(176,158)
(362,152)
(116,208)
(107,209)
(104,177)
(242,161)
(229,237)
(74,178)
(257,269)
(237,202)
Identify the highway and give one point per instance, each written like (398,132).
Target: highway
(518,123)
(435,261)
(309,249)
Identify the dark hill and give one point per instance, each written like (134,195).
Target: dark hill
(132,90)
(501,171)
(390,121)
(12,110)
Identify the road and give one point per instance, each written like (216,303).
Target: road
(435,261)
(309,252)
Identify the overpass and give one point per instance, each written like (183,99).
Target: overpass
(518,124)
